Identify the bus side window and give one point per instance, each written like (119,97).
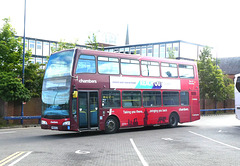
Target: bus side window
(111,99)
(107,65)
(186,71)
(131,99)
(184,96)
(170,98)
(169,70)
(151,98)
(130,67)
(86,64)
(150,68)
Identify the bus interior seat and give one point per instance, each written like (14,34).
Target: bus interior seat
(127,104)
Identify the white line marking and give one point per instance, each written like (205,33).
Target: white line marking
(138,153)
(82,152)
(167,139)
(10,158)
(19,159)
(7,132)
(215,141)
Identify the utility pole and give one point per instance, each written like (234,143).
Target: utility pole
(22,113)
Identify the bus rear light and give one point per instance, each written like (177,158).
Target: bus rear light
(43,122)
(67,123)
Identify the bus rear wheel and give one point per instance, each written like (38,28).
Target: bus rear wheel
(111,125)
(173,120)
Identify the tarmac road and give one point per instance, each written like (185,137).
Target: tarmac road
(214,140)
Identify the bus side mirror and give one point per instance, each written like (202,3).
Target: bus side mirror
(75,94)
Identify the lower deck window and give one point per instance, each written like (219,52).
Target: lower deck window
(131,99)
(111,99)
(171,98)
(151,98)
(184,98)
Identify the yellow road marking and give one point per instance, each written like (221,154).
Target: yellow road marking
(10,158)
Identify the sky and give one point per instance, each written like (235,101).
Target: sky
(207,22)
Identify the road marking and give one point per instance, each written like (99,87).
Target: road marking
(19,159)
(167,139)
(7,132)
(12,157)
(82,152)
(138,153)
(233,147)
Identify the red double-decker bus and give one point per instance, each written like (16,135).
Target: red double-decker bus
(96,90)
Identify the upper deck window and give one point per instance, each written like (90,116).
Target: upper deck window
(107,65)
(130,67)
(86,64)
(150,68)
(186,71)
(60,64)
(169,70)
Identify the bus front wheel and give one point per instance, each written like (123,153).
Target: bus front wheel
(173,120)
(111,125)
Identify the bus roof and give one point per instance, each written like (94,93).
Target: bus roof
(132,56)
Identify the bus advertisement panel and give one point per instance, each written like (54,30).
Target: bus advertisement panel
(95,90)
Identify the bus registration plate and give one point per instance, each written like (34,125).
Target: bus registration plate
(54,127)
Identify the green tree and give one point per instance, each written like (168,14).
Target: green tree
(213,83)
(171,53)
(62,45)
(11,60)
(12,89)
(92,43)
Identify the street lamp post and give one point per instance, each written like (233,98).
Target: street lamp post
(22,113)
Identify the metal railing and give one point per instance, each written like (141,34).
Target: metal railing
(7,118)
(215,110)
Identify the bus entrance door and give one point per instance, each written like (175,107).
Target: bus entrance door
(88,109)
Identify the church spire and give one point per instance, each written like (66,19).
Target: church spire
(127,37)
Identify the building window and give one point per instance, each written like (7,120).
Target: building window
(32,46)
(127,50)
(143,51)
(155,50)
(86,64)
(131,99)
(46,50)
(149,50)
(162,50)
(176,49)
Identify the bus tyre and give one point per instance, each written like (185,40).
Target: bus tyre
(173,120)
(111,125)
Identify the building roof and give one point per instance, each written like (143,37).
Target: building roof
(230,65)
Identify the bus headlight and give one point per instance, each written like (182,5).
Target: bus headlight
(67,123)
(43,122)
